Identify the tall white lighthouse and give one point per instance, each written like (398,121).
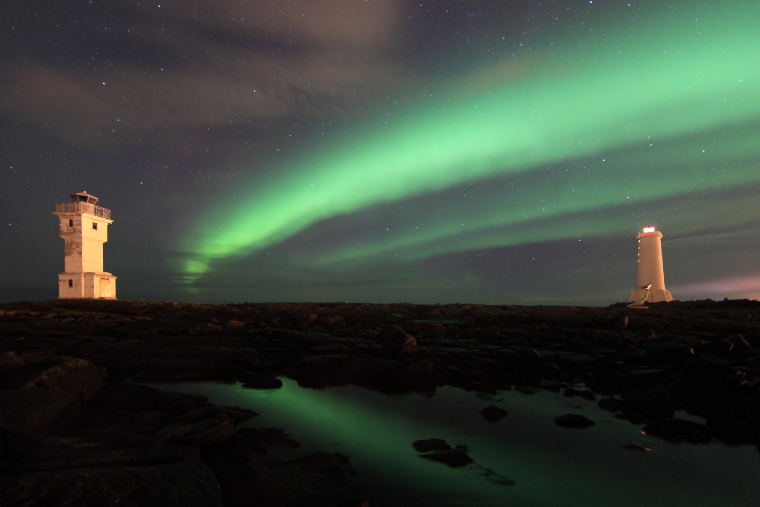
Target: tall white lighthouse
(84,229)
(650,277)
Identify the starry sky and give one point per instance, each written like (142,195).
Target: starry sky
(497,152)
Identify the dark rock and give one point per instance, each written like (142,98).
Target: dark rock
(718,348)
(455,458)
(551,385)
(526,355)
(319,479)
(397,342)
(170,485)
(707,365)
(674,349)
(583,393)
(262,382)
(134,397)
(611,404)
(493,413)
(39,390)
(678,430)
(653,402)
(733,427)
(431,444)
(738,342)
(649,377)
(573,421)
(632,355)
(272,436)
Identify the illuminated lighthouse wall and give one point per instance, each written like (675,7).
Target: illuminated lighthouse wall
(650,270)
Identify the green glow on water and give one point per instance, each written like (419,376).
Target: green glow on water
(551,465)
(637,113)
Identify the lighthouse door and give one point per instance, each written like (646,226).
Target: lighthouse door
(105,287)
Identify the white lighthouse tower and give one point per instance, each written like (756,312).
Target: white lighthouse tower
(84,228)
(650,277)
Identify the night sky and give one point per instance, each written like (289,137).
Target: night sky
(384,151)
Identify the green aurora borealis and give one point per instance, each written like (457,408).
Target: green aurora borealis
(643,112)
(435,151)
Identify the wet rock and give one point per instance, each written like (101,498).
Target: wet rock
(573,421)
(262,382)
(648,377)
(674,349)
(272,437)
(678,430)
(718,348)
(39,390)
(236,324)
(708,365)
(583,393)
(431,444)
(734,427)
(398,342)
(738,342)
(652,402)
(632,355)
(551,385)
(526,355)
(454,458)
(493,413)
(136,397)
(611,404)
(319,479)
(169,485)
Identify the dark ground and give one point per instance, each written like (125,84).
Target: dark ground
(77,430)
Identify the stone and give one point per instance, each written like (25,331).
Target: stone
(652,402)
(611,404)
(319,479)
(678,430)
(526,355)
(454,458)
(431,444)
(573,421)
(738,342)
(169,485)
(397,342)
(493,413)
(262,382)
(40,390)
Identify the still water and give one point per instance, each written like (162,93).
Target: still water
(551,466)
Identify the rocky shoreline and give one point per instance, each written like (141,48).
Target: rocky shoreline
(78,429)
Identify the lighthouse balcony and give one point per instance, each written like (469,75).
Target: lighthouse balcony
(82,207)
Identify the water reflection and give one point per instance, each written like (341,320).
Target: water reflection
(551,466)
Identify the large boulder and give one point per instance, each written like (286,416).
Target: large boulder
(38,390)
(168,485)
(573,421)
(652,402)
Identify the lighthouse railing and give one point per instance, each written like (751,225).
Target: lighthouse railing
(82,207)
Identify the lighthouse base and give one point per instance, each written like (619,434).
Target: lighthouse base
(86,286)
(655,295)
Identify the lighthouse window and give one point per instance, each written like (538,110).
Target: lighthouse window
(95,225)
(71,283)
(71,223)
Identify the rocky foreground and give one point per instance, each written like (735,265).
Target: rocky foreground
(76,428)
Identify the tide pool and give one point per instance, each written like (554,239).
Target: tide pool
(551,466)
